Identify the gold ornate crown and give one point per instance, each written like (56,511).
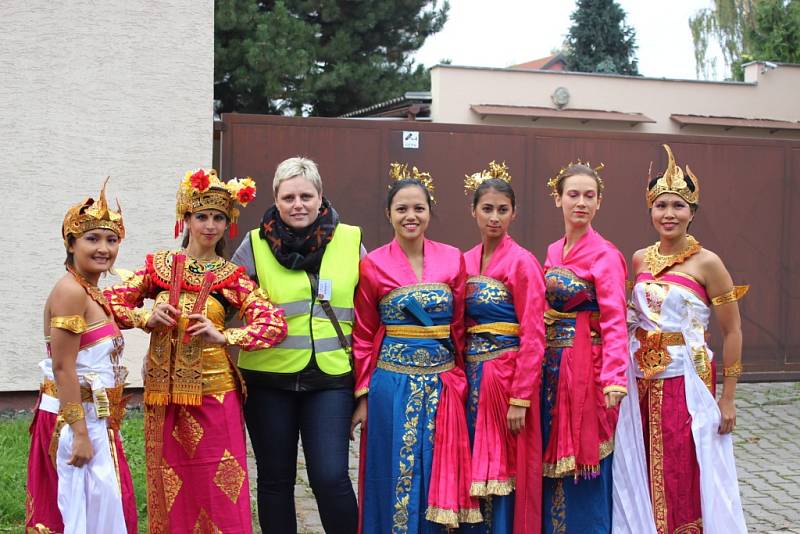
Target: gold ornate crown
(203,190)
(674,181)
(91,214)
(553,182)
(497,171)
(399,171)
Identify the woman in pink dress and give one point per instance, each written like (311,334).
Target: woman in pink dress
(78,478)
(584,374)
(194,428)
(407,345)
(504,348)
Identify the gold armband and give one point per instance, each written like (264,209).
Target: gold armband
(615,389)
(731,296)
(71,412)
(522,403)
(734,371)
(72,323)
(140,317)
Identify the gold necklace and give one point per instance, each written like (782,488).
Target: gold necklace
(94,292)
(657,263)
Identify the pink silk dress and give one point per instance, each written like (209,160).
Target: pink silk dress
(507,301)
(407,345)
(194,427)
(586,357)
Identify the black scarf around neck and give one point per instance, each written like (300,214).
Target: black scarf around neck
(299,250)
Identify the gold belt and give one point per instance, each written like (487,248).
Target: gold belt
(49,387)
(551,315)
(418,332)
(108,402)
(489,355)
(652,355)
(499,328)
(415,370)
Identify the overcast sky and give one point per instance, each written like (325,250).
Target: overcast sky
(500,33)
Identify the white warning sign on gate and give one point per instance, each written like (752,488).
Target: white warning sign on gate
(410,139)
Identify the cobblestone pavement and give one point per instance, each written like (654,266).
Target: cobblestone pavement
(767,442)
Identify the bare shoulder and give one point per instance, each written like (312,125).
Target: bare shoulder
(710,261)
(67,297)
(637,260)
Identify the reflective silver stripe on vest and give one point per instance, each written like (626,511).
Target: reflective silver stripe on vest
(298,307)
(326,344)
(342,314)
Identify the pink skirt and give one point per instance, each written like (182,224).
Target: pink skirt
(42,486)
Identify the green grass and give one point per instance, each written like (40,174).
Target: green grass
(14,444)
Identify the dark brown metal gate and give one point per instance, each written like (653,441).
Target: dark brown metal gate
(750,202)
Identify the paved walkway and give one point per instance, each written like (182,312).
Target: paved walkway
(767,441)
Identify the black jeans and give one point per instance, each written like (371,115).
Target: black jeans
(274,419)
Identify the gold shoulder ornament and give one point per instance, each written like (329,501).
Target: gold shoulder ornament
(72,323)
(730,296)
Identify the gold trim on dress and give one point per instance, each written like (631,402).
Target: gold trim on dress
(415,370)
(492,487)
(566,466)
(522,403)
(615,388)
(72,323)
(418,332)
(655,399)
(731,296)
(405,290)
(450,518)
(498,328)
(489,355)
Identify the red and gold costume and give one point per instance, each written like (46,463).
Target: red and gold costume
(194,429)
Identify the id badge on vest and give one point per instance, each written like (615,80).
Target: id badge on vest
(325,289)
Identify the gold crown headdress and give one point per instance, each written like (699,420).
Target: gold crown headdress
(496,170)
(91,214)
(203,190)
(399,171)
(553,182)
(674,181)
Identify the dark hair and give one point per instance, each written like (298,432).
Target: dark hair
(70,261)
(575,170)
(402,184)
(501,186)
(219,248)
(689,185)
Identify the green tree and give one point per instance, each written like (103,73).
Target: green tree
(599,39)
(746,30)
(319,57)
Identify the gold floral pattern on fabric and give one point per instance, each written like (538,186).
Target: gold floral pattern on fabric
(415,370)
(558,509)
(220,397)
(657,263)
(406,465)
(561,284)
(434,297)
(487,290)
(652,356)
(187,432)
(158,522)
(490,355)
(655,399)
(432,394)
(204,524)
(492,487)
(230,476)
(172,485)
(440,331)
(695,527)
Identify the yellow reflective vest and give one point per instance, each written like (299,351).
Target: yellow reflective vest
(308,325)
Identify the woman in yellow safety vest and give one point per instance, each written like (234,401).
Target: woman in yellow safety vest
(307,262)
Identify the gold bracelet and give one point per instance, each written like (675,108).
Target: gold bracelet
(71,412)
(731,296)
(734,371)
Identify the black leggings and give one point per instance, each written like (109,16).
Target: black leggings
(274,419)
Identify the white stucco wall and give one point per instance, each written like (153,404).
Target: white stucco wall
(766,94)
(90,89)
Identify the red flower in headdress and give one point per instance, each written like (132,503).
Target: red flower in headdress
(246,194)
(200,180)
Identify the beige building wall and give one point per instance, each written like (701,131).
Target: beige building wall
(91,89)
(767,93)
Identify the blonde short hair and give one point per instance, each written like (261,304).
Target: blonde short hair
(298,166)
